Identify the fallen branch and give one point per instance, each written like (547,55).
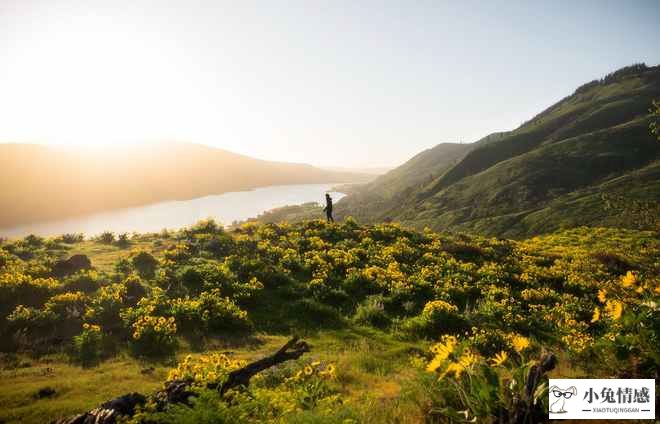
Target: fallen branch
(179,391)
(293,349)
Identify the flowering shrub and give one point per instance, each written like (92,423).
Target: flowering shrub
(276,396)
(32,322)
(105,308)
(204,370)
(464,386)
(153,335)
(437,317)
(21,289)
(88,345)
(210,312)
(67,305)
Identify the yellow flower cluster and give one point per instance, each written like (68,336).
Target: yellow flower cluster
(205,369)
(442,351)
(520,343)
(313,369)
(614,309)
(92,327)
(450,358)
(153,324)
(439,306)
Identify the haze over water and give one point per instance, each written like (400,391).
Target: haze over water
(224,208)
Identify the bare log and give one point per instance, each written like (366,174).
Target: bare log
(293,349)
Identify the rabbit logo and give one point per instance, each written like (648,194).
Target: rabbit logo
(560,395)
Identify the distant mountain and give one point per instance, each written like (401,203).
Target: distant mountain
(39,182)
(379,170)
(588,159)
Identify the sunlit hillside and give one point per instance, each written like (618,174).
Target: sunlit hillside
(586,160)
(39,182)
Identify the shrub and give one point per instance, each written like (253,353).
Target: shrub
(191,278)
(614,263)
(70,238)
(123,267)
(135,290)
(83,281)
(311,313)
(106,237)
(123,241)
(67,306)
(144,263)
(177,253)
(372,312)
(34,322)
(88,346)
(210,312)
(153,336)
(438,317)
(33,241)
(105,307)
(21,289)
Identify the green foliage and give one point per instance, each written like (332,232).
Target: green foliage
(88,345)
(70,238)
(655,124)
(153,336)
(372,312)
(106,237)
(123,241)
(145,264)
(300,393)
(86,281)
(21,289)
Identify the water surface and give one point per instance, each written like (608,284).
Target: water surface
(224,208)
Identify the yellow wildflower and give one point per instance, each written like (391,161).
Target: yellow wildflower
(629,279)
(596,315)
(613,309)
(500,358)
(601,295)
(520,343)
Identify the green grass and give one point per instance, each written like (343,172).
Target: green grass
(77,389)
(371,368)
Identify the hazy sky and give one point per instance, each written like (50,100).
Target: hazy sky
(353,83)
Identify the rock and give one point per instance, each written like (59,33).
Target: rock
(45,392)
(70,266)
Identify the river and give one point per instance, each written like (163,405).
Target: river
(224,208)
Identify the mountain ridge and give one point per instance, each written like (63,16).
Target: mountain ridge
(500,184)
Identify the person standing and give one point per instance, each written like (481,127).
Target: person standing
(328,208)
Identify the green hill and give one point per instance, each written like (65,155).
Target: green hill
(576,163)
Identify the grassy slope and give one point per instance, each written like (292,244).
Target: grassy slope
(382,194)
(545,175)
(373,366)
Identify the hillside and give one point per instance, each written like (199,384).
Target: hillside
(403,326)
(39,182)
(557,170)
